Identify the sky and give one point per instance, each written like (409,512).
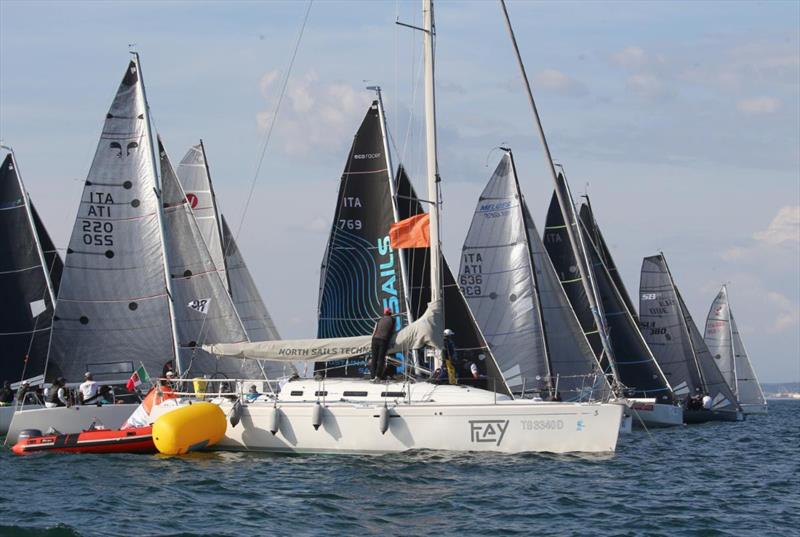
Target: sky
(681,120)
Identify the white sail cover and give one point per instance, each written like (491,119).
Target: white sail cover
(424,332)
(194,178)
(496,278)
(725,343)
(204,312)
(579,376)
(112,311)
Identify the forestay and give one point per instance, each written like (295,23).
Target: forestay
(204,311)
(25,293)
(113,311)
(195,179)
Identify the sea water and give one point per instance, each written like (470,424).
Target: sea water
(714,479)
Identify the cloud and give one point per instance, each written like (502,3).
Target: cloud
(785,227)
(787,315)
(759,105)
(648,86)
(558,82)
(315,115)
(632,57)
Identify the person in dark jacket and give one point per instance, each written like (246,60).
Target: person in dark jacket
(381,335)
(6,394)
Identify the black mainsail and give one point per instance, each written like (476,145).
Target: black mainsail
(360,274)
(26,292)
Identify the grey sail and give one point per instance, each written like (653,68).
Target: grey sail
(663,327)
(195,179)
(748,389)
(113,308)
(719,336)
(497,280)
(204,312)
(255,318)
(714,383)
(725,344)
(578,374)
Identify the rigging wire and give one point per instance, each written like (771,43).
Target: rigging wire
(268,134)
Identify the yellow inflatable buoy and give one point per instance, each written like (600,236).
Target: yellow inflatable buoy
(189,428)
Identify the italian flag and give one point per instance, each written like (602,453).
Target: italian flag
(139,376)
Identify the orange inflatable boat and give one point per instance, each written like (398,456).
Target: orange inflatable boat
(133,440)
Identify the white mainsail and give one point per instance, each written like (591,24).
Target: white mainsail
(113,309)
(496,277)
(725,343)
(195,179)
(204,311)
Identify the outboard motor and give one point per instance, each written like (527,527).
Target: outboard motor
(27,434)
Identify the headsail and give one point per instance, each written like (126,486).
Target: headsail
(725,344)
(113,308)
(195,179)
(52,259)
(470,342)
(360,273)
(26,294)
(497,279)
(204,311)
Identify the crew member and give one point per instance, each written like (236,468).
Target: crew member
(708,402)
(449,355)
(381,335)
(87,391)
(6,394)
(166,369)
(57,396)
(23,389)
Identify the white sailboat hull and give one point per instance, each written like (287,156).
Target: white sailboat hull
(647,413)
(753,408)
(452,418)
(72,419)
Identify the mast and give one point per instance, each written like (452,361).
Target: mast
(536,297)
(29,213)
(585,265)
(393,192)
(160,215)
(226,281)
(735,387)
(685,326)
(430,136)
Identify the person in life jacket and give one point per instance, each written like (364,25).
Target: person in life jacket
(57,396)
(381,335)
(449,356)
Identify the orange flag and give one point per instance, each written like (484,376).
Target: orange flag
(412,232)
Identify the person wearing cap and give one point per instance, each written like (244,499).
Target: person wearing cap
(381,335)
(6,394)
(449,355)
(87,391)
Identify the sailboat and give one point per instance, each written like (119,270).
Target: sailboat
(29,271)
(517,298)
(679,348)
(194,176)
(614,333)
(353,415)
(139,286)
(725,344)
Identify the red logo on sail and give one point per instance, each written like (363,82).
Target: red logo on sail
(192,199)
